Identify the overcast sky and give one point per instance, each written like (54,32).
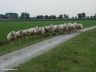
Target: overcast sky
(43,7)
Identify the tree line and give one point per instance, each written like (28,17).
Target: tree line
(26,16)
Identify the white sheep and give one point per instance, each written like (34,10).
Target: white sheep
(50,30)
(80,26)
(42,31)
(76,25)
(65,27)
(46,30)
(56,29)
(11,36)
(31,31)
(61,28)
(19,34)
(25,32)
(71,28)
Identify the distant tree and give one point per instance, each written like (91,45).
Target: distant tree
(87,17)
(79,15)
(11,15)
(66,16)
(94,16)
(52,17)
(40,17)
(46,16)
(83,15)
(91,17)
(25,15)
(73,18)
(60,17)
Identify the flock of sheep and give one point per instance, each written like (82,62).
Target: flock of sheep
(44,31)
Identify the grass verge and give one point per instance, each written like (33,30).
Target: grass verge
(19,45)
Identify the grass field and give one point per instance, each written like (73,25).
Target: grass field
(6,27)
(76,55)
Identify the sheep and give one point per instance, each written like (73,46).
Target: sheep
(50,30)
(40,31)
(31,31)
(80,26)
(19,34)
(44,31)
(11,37)
(56,29)
(76,25)
(65,27)
(71,27)
(61,28)
(36,31)
(25,33)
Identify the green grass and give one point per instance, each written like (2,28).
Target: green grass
(6,27)
(76,55)
(19,45)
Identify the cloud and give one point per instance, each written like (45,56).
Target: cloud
(35,7)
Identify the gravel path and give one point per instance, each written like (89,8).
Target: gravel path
(18,57)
